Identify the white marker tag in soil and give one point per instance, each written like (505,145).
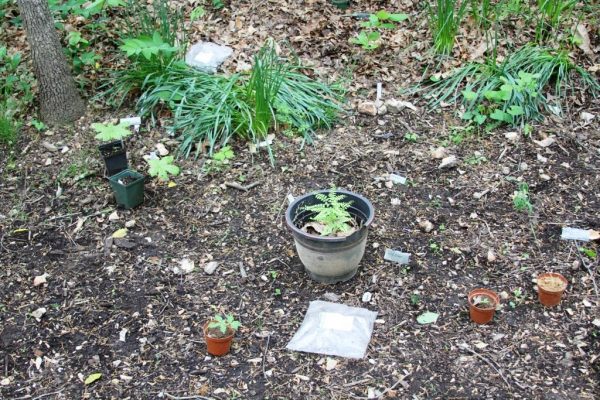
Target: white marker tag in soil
(584,235)
(397,179)
(397,256)
(334,329)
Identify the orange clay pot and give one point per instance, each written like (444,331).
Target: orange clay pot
(482,315)
(550,288)
(217,346)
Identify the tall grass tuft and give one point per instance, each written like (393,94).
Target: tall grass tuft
(207,110)
(553,71)
(445,21)
(550,16)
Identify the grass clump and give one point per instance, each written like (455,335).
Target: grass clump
(207,110)
(528,82)
(445,19)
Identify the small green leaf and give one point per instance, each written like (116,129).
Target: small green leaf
(162,168)
(107,133)
(92,378)
(480,119)
(500,115)
(515,111)
(469,95)
(428,317)
(398,17)
(382,15)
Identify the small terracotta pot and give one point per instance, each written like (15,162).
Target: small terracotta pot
(217,346)
(482,315)
(550,288)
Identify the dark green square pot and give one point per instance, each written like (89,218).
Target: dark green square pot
(341,4)
(128,195)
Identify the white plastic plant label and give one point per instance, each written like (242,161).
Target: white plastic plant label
(334,329)
(396,256)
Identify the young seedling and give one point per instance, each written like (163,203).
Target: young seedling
(483,302)
(224,325)
(521,198)
(219,160)
(332,213)
(108,133)
(162,168)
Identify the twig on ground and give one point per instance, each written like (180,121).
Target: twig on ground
(170,396)
(465,347)
(589,270)
(237,186)
(41,396)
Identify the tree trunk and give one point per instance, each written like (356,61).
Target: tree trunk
(59,100)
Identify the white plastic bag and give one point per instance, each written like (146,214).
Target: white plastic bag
(334,329)
(207,56)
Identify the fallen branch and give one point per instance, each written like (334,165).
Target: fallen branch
(170,396)
(237,186)
(464,346)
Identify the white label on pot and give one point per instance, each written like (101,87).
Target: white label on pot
(397,256)
(336,322)
(290,198)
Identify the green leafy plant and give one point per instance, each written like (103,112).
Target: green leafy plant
(445,19)
(332,212)
(367,40)
(384,19)
(219,160)
(108,132)
(147,46)
(212,108)
(8,130)
(521,200)
(411,137)
(589,253)
(162,168)
(519,298)
(228,323)
(529,81)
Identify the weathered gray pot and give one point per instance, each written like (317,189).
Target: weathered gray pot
(330,259)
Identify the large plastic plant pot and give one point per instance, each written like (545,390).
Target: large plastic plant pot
(330,259)
(128,186)
(115,157)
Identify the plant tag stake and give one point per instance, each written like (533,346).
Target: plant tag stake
(397,256)
(379,91)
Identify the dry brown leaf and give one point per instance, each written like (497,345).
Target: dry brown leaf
(581,33)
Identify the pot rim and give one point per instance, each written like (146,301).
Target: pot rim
(115,178)
(483,291)
(555,275)
(221,339)
(329,239)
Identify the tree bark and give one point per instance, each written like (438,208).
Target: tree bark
(59,100)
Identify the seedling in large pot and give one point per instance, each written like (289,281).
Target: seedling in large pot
(113,149)
(219,332)
(330,230)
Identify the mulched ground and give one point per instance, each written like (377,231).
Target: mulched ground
(54,219)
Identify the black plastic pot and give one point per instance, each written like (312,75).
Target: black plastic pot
(330,259)
(115,157)
(341,4)
(131,194)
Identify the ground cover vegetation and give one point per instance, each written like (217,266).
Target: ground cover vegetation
(472,126)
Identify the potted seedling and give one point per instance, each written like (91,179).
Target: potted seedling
(113,149)
(482,305)
(219,332)
(128,185)
(550,288)
(330,230)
